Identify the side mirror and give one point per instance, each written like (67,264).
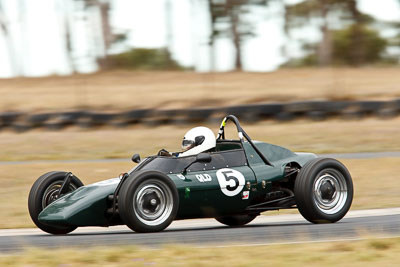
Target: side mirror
(136,158)
(202,158)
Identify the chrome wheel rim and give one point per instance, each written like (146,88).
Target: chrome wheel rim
(330,191)
(153,202)
(51,193)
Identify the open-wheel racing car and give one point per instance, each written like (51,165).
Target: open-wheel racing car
(232,181)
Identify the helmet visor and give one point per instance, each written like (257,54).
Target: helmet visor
(187,144)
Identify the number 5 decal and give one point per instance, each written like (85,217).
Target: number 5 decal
(230,181)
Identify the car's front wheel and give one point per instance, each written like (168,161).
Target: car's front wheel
(148,201)
(323,190)
(46,190)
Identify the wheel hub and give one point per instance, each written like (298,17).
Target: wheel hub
(150,202)
(327,190)
(153,202)
(52,193)
(330,191)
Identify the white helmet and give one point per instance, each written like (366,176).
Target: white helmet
(197,140)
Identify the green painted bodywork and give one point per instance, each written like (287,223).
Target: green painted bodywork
(87,205)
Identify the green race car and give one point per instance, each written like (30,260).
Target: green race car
(232,181)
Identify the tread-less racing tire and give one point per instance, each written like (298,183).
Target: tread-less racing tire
(323,190)
(43,192)
(148,201)
(236,220)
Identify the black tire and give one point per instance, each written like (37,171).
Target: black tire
(41,195)
(158,201)
(316,190)
(236,220)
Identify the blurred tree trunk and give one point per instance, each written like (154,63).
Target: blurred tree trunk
(108,37)
(169,32)
(9,43)
(231,13)
(285,46)
(24,55)
(236,39)
(105,23)
(324,51)
(211,41)
(106,31)
(357,48)
(68,44)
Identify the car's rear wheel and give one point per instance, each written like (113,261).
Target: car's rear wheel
(323,190)
(236,220)
(45,191)
(148,201)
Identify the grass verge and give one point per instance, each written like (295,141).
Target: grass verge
(372,252)
(320,137)
(120,90)
(374,181)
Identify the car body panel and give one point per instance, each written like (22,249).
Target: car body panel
(200,193)
(86,206)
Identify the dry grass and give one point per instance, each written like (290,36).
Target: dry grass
(372,252)
(126,89)
(319,137)
(373,183)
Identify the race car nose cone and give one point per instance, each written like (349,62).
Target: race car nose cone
(52,218)
(327,190)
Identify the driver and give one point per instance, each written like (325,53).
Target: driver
(195,141)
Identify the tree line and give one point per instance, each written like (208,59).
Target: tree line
(348,36)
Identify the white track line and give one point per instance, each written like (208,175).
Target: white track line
(197,223)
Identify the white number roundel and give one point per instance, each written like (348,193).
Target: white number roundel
(230,181)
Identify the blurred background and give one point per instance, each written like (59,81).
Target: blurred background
(63,37)
(87,83)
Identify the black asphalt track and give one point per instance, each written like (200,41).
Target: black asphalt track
(209,232)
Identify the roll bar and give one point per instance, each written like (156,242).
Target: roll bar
(242,134)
